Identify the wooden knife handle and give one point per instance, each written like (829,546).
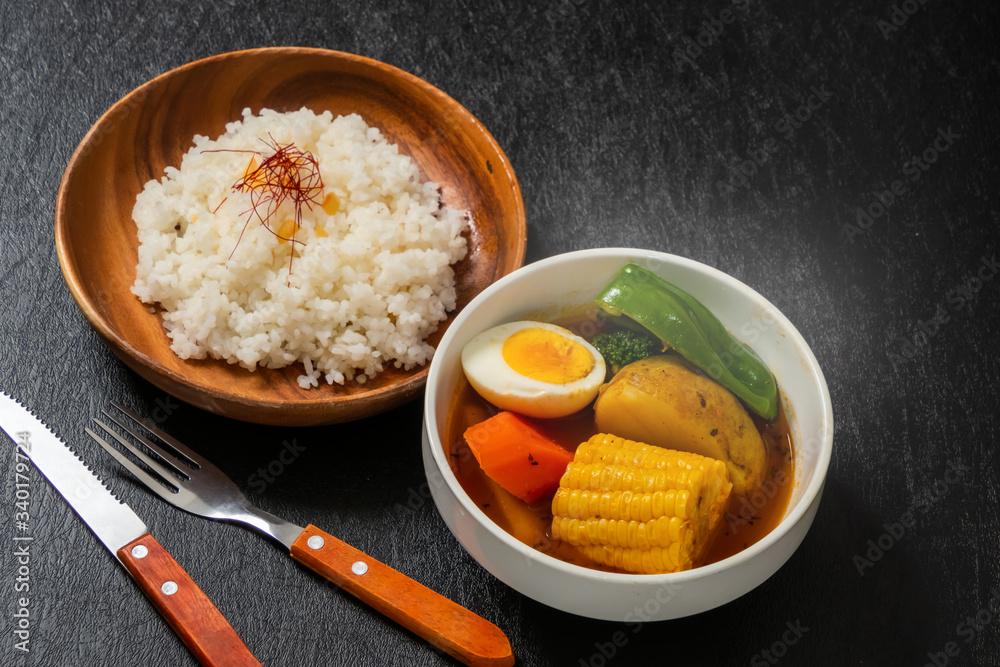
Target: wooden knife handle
(445,624)
(194,618)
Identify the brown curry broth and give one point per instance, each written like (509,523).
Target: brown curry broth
(748,518)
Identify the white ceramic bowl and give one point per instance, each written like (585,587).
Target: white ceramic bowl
(575,278)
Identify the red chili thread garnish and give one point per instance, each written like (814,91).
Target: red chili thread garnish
(288,173)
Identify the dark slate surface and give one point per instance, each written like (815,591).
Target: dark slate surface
(628,125)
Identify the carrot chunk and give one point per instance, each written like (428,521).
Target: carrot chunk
(515,455)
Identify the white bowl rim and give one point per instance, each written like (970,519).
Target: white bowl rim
(813,489)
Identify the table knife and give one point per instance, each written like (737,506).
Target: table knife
(199,624)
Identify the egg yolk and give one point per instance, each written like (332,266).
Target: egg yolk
(547,357)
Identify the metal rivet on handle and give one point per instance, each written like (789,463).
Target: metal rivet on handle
(139,551)
(359,568)
(315,542)
(168,588)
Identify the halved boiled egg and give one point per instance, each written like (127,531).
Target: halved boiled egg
(534,368)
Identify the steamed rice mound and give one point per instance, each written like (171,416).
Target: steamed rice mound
(367,284)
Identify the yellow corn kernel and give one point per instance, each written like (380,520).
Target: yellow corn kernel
(331,203)
(287,230)
(251,177)
(640,508)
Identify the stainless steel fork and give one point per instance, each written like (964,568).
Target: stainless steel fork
(199,487)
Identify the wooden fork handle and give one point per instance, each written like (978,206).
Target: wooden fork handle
(199,624)
(445,624)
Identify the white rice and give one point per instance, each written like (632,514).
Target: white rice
(361,299)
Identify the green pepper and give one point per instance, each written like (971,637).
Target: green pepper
(683,323)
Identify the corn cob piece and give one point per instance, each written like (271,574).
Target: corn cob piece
(640,508)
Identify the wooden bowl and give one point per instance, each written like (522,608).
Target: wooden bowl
(154,125)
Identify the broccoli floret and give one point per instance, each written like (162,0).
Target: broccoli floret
(622,346)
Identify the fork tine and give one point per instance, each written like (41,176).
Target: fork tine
(151,483)
(163,452)
(162,466)
(200,489)
(182,451)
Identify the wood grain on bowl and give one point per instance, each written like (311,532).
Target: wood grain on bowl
(151,129)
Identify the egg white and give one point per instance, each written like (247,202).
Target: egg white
(493,378)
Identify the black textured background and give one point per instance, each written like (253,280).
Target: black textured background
(625,122)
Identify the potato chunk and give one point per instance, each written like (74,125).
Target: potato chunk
(663,401)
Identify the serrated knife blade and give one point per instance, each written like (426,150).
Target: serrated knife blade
(199,624)
(114,523)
